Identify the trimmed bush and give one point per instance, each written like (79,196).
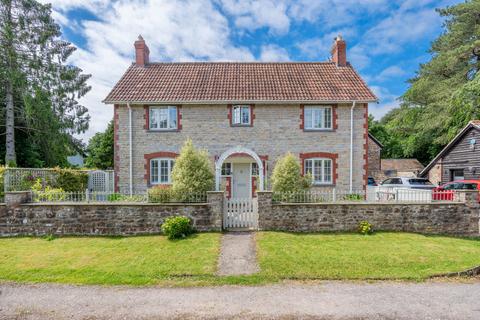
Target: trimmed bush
(354,197)
(192,172)
(160,194)
(177,227)
(287,176)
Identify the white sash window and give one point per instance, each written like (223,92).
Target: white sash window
(163,118)
(318,118)
(320,169)
(161,171)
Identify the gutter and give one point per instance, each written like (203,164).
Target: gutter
(242,101)
(130,149)
(351,145)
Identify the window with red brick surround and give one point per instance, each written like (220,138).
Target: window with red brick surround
(334,117)
(150,156)
(230,115)
(327,155)
(146,116)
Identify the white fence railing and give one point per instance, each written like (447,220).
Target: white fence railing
(22,179)
(113,197)
(372,194)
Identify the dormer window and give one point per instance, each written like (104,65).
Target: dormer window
(163,118)
(241,115)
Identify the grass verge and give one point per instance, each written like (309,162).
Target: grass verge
(383,255)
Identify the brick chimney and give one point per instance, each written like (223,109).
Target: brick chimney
(339,51)
(142,52)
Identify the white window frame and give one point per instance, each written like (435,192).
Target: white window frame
(171,163)
(322,180)
(154,109)
(237,115)
(224,165)
(326,121)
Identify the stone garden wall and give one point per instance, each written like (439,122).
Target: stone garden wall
(429,218)
(105,218)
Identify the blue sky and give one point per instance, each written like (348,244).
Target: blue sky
(386,39)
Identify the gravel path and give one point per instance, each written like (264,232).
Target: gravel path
(238,254)
(324,300)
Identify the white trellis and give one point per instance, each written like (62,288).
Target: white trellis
(100,181)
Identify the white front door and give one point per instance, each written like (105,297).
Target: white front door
(241,180)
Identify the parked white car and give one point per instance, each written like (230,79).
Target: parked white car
(408,182)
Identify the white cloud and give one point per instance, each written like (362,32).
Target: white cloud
(255,14)
(174,30)
(271,53)
(319,48)
(387,101)
(390,72)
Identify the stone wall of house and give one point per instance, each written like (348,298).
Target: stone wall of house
(105,219)
(433,218)
(374,162)
(275,131)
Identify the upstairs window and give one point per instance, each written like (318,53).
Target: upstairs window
(318,118)
(320,169)
(161,171)
(163,118)
(241,115)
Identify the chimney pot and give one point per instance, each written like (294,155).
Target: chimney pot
(339,51)
(142,53)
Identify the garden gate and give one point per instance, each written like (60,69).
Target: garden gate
(240,213)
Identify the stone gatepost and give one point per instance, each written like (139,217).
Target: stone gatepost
(471,198)
(215,202)
(15,198)
(265,210)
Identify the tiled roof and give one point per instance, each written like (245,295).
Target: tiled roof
(401,164)
(240,82)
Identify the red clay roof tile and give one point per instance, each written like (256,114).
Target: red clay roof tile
(239,82)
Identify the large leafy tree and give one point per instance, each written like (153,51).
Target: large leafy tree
(100,149)
(439,100)
(39,89)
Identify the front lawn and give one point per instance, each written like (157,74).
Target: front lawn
(108,260)
(383,255)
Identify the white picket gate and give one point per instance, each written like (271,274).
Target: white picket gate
(240,213)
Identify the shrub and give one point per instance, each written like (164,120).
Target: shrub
(287,176)
(160,194)
(70,180)
(365,227)
(354,197)
(177,227)
(192,172)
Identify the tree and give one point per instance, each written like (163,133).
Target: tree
(39,89)
(287,176)
(192,172)
(100,149)
(429,117)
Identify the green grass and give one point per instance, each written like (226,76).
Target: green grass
(108,260)
(382,255)
(155,260)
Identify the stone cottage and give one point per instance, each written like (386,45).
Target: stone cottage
(246,115)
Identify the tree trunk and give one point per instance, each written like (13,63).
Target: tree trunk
(10,155)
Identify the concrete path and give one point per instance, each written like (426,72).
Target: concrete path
(238,254)
(325,300)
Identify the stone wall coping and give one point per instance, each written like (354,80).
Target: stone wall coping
(349,203)
(123,204)
(18,192)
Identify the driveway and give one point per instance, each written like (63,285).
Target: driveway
(323,300)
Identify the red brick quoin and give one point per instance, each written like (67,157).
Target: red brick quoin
(334,117)
(116,149)
(150,156)
(333,156)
